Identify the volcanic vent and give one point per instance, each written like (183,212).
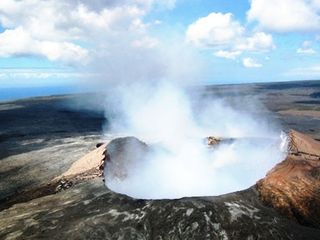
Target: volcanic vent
(193,168)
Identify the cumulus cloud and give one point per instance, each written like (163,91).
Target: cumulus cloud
(259,41)
(227,54)
(73,32)
(18,42)
(216,29)
(285,15)
(306,48)
(307,51)
(226,36)
(308,72)
(250,63)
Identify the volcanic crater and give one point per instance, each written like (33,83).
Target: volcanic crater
(71,201)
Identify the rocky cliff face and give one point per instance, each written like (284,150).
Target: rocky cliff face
(284,205)
(293,186)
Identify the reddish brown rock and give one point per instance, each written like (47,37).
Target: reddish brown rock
(213,140)
(293,186)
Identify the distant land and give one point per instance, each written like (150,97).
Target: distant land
(7,94)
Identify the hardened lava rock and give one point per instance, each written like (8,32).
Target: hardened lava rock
(293,186)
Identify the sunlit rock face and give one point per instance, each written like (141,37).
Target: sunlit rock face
(292,186)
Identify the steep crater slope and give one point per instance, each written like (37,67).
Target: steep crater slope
(293,186)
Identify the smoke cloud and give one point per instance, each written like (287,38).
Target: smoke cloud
(143,65)
(177,122)
(144,76)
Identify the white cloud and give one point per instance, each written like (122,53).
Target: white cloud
(226,36)
(18,42)
(227,54)
(286,15)
(36,77)
(62,51)
(113,34)
(15,41)
(303,73)
(146,42)
(306,48)
(260,41)
(39,73)
(72,31)
(250,63)
(214,30)
(306,51)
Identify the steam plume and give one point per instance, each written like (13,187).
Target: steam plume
(165,115)
(144,78)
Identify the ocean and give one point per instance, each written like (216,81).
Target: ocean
(7,94)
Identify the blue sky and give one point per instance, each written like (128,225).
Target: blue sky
(54,43)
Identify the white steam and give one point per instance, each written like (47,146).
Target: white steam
(167,116)
(129,56)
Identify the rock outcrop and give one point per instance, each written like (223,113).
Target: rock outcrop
(293,186)
(88,167)
(90,162)
(123,153)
